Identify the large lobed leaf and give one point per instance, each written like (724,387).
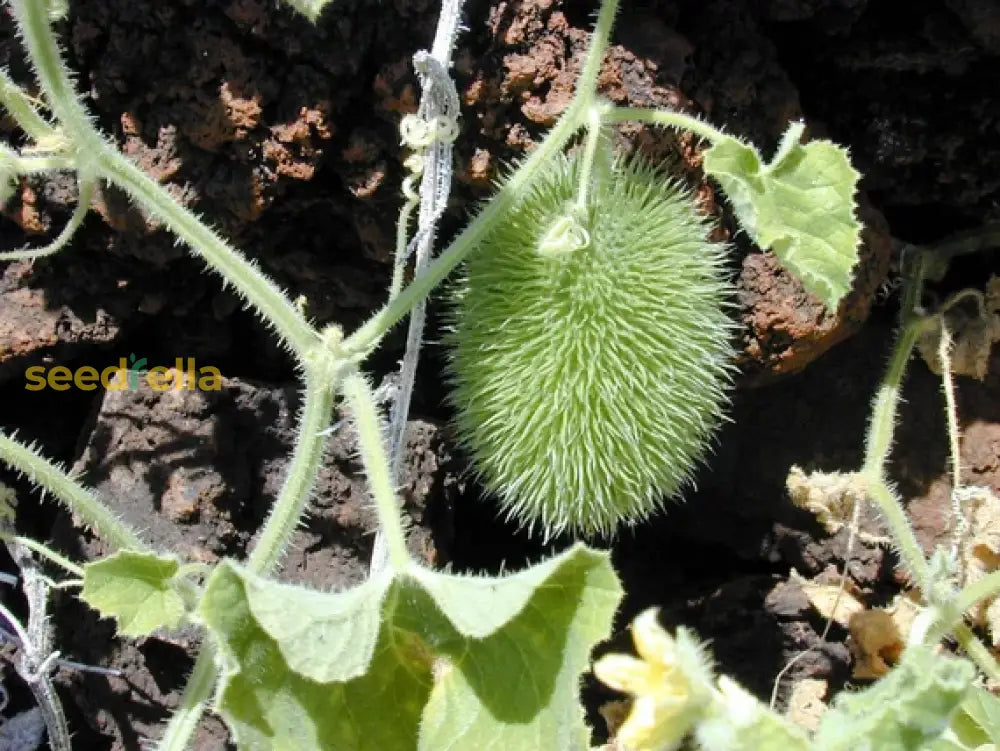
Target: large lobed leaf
(335,640)
(800,205)
(422,660)
(518,687)
(269,706)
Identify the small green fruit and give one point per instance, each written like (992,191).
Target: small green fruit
(590,348)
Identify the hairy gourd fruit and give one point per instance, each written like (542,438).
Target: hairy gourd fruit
(590,348)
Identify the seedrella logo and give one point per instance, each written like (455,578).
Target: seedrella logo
(127,375)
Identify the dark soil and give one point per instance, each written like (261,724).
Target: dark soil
(284,136)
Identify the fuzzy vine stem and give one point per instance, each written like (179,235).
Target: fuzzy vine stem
(586,86)
(87,189)
(22,109)
(194,699)
(287,511)
(96,155)
(954,436)
(665,119)
(878,444)
(983,589)
(949,614)
(399,260)
(977,651)
(593,140)
(28,165)
(376,461)
(951,408)
(878,440)
(75,497)
(45,552)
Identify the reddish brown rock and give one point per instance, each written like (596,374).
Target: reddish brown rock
(30,326)
(787,328)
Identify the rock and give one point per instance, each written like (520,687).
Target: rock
(198,470)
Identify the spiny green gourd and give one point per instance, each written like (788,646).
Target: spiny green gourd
(590,348)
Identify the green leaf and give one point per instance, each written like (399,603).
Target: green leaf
(478,606)
(137,589)
(976,724)
(739,722)
(518,688)
(311,9)
(983,708)
(335,641)
(269,706)
(424,660)
(801,206)
(907,710)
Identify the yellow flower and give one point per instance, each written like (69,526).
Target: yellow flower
(670,682)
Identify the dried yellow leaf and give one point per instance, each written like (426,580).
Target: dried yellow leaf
(829,600)
(875,643)
(877,636)
(831,496)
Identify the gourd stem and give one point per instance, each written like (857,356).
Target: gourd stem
(665,119)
